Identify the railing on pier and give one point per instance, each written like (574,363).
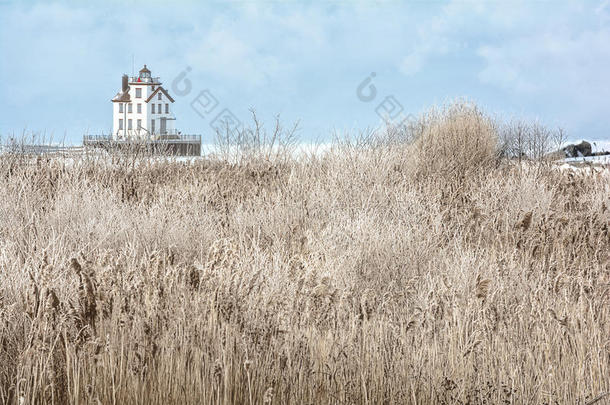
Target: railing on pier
(167,137)
(168,143)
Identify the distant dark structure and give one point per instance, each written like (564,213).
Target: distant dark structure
(582,149)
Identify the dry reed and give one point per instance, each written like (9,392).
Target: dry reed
(427,272)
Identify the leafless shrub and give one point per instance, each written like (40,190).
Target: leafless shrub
(530,140)
(454,141)
(254,142)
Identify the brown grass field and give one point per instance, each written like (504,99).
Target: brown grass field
(417,268)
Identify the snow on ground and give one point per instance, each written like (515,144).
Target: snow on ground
(580,162)
(70,153)
(600,146)
(604,160)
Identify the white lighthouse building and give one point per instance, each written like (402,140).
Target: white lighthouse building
(142,117)
(142,109)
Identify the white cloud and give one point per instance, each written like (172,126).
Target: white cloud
(412,63)
(570,63)
(224,54)
(547,51)
(308,54)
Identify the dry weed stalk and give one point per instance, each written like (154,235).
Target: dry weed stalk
(366,275)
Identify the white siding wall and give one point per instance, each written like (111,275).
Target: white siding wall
(143,115)
(115,119)
(146,113)
(157,116)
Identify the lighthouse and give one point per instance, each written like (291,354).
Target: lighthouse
(142,109)
(142,117)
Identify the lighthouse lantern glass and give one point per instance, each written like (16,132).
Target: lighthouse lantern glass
(145,76)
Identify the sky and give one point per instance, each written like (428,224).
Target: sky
(332,66)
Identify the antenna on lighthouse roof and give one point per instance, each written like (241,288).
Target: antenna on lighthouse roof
(133,63)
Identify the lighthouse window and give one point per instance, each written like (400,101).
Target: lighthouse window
(129,108)
(121,107)
(160,110)
(153,108)
(139,108)
(120,124)
(138,93)
(166,108)
(129,124)
(139,124)
(160,96)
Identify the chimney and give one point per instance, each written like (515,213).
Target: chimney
(125,79)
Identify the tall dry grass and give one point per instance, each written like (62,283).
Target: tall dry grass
(456,140)
(359,276)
